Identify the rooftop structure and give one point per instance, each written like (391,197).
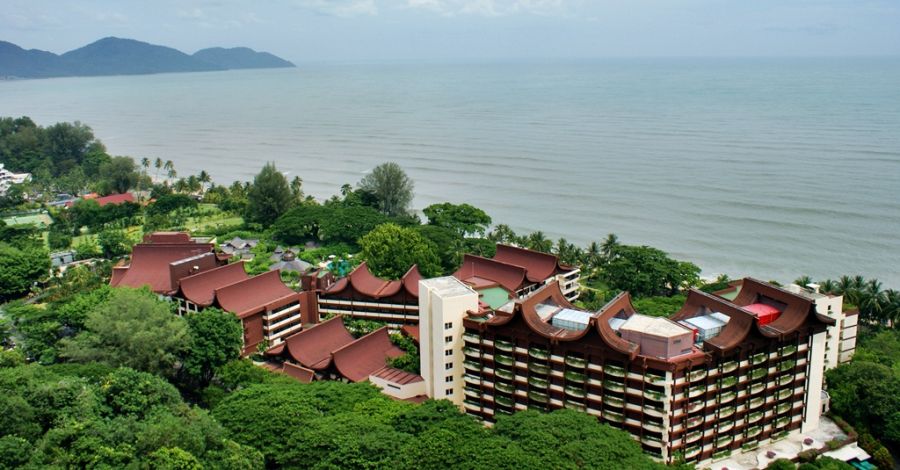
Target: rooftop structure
(239,247)
(289,262)
(747,381)
(160,266)
(8,178)
(363,295)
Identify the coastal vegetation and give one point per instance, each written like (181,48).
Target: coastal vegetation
(100,377)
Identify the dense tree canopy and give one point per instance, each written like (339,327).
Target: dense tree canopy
(464,219)
(269,196)
(131,329)
(645,271)
(216,338)
(389,185)
(20,267)
(390,250)
(865,393)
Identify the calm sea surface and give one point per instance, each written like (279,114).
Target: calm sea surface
(770,168)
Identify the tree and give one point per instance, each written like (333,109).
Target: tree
(20,268)
(297,189)
(269,197)
(113,243)
(645,271)
(449,245)
(867,395)
(538,241)
(131,393)
(216,339)
(300,224)
(391,188)
(781,464)
(118,175)
(464,219)
(609,246)
(803,281)
(390,250)
(348,224)
(132,329)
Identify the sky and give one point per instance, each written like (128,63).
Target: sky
(376,30)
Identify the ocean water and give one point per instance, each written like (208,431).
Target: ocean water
(769,168)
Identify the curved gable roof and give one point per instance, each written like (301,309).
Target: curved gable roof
(252,295)
(740,321)
(411,281)
(312,348)
(538,266)
(201,288)
(509,276)
(150,265)
(797,308)
(620,304)
(358,360)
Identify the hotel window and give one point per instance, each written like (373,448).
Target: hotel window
(448,352)
(448,366)
(448,339)
(448,379)
(448,392)
(448,325)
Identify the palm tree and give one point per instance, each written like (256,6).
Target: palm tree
(193,184)
(592,255)
(609,246)
(181,185)
(346,189)
(803,281)
(170,169)
(158,163)
(204,179)
(539,242)
(828,286)
(145,164)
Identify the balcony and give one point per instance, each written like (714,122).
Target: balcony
(613,416)
(691,452)
(574,376)
(470,351)
(574,406)
(692,422)
(503,345)
(727,397)
(786,365)
(754,431)
(651,426)
(474,405)
(754,417)
(782,407)
(757,387)
(504,401)
(726,411)
(758,373)
(613,401)
(651,441)
(782,422)
(695,406)
(785,379)
(724,441)
(729,366)
(614,370)
(755,403)
(575,392)
(505,374)
(652,395)
(788,350)
(693,436)
(696,391)
(472,338)
(613,386)
(538,382)
(726,426)
(507,388)
(758,358)
(538,353)
(782,394)
(538,368)
(576,362)
(472,365)
(504,359)
(697,375)
(538,397)
(472,378)
(727,382)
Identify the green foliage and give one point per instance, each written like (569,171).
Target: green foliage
(463,219)
(171,202)
(118,175)
(390,250)
(410,361)
(659,306)
(58,240)
(114,243)
(866,395)
(781,464)
(348,224)
(300,224)
(20,268)
(390,187)
(216,338)
(14,451)
(131,393)
(645,271)
(269,197)
(132,329)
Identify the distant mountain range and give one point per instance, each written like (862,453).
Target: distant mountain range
(116,56)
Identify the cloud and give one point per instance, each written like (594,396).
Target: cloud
(489,8)
(341,8)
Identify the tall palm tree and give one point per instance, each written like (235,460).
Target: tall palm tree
(539,242)
(204,179)
(609,246)
(828,286)
(170,169)
(803,281)
(158,163)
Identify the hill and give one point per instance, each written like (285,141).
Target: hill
(117,56)
(240,58)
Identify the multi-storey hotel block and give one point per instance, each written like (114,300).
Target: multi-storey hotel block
(512,273)
(718,376)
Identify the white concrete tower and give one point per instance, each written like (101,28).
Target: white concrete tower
(443,303)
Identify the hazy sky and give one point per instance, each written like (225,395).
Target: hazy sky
(315,30)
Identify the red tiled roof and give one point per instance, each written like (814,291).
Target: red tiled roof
(363,281)
(201,288)
(167,237)
(359,359)
(397,376)
(298,372)
(538,266)
(151,265)
(312,348)
(477,269)
(412,331)
(115,199)
(252,295)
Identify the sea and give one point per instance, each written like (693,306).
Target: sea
(772,168)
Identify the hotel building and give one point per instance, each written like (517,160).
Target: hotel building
(718,376)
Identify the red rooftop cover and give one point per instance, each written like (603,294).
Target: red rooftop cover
(359,359)
(252,295)
(201,288)
(150,265)
(765,314)
(312,348)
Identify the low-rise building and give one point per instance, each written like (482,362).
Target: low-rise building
(8,178)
